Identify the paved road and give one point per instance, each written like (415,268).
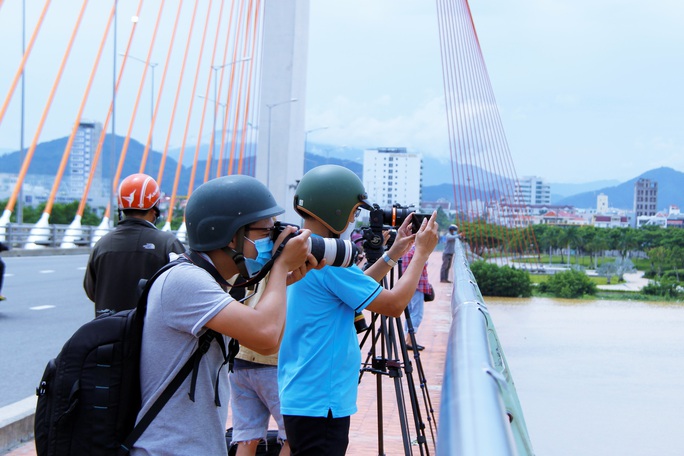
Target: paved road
(45,305)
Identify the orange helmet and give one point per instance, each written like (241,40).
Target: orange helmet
(138,191)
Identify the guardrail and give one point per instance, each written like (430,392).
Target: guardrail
(17,236)
(480,413)
(42,235)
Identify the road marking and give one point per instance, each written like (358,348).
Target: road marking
(41,307)
(47,271)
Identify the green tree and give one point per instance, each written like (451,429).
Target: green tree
(568,284)
(494,280)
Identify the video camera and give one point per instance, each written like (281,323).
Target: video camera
(388,218)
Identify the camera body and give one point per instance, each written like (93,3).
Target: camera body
(337,252)
(388,218)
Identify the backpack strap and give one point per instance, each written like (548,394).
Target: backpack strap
(204,343)
(192,364)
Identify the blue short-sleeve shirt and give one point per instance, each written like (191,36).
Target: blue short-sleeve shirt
(319,359)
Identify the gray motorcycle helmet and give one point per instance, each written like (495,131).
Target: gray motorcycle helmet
(218,208)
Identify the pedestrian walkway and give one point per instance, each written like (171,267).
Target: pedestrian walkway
(363,435)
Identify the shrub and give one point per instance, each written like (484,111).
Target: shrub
(501,281)
(664,288)
(569,284)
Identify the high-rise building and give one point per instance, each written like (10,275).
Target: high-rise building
(81,161)
(602,203)
(533,191)
(645,198)
(391,175)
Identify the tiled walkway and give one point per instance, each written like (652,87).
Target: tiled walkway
(433,334)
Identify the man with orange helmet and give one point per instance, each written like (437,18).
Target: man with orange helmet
(134,250)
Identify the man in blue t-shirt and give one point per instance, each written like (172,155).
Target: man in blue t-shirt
(319,359)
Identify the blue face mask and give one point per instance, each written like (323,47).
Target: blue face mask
(264,248)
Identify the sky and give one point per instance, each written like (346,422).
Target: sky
(587,90)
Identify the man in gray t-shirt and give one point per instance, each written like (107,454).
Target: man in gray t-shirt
(448,253)
(187,300)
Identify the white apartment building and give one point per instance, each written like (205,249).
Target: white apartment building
(391,175)
(81,157)
(602,203)
(533,190)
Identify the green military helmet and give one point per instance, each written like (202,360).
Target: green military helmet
(330,193)
(217,209)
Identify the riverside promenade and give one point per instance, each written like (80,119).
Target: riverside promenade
(363,436)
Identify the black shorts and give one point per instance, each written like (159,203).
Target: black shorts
(314,436)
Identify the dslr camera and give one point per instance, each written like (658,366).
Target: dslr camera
(337,252)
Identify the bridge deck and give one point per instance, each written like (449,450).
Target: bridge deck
(433,334)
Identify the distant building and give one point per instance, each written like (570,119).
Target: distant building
(81,157)
(610,221)
(602,203)
(645,199)
(533,190)
(391,175)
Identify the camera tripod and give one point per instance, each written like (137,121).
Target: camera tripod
(388,356)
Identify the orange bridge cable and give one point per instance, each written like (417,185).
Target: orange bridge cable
(103,132)
(179,165)
(160,90)
(482,158)
(79,115)
(462,134)
(212,142)
(178,90)
(251,132)
(478,109)
(465,129)
(447,97)
(243,89)
(138,97)
(250,84)
(29,154)
(231,85)
(457,127)
(24,58)
(191,183)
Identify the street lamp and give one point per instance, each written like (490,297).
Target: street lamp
(306,135)
(268,164)
(152,66)
(216,68)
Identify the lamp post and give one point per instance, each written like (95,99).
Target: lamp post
(268,165)
(20,205)
(152,65)
(306,135)
(112,194)
(216,68)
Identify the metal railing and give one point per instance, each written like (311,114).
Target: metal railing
(17,236)
(39,236)
(480,413)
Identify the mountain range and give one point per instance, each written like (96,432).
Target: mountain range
(437,174)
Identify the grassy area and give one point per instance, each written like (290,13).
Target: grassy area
(539,278)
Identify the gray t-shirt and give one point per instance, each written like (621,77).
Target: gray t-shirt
(450,241)
(180,303)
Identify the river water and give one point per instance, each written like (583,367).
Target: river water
(596,378)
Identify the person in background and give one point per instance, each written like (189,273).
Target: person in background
(417,304)
(134,250)
(319,358)
(448,253)
(3,247)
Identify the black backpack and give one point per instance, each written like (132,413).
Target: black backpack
(89,396)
